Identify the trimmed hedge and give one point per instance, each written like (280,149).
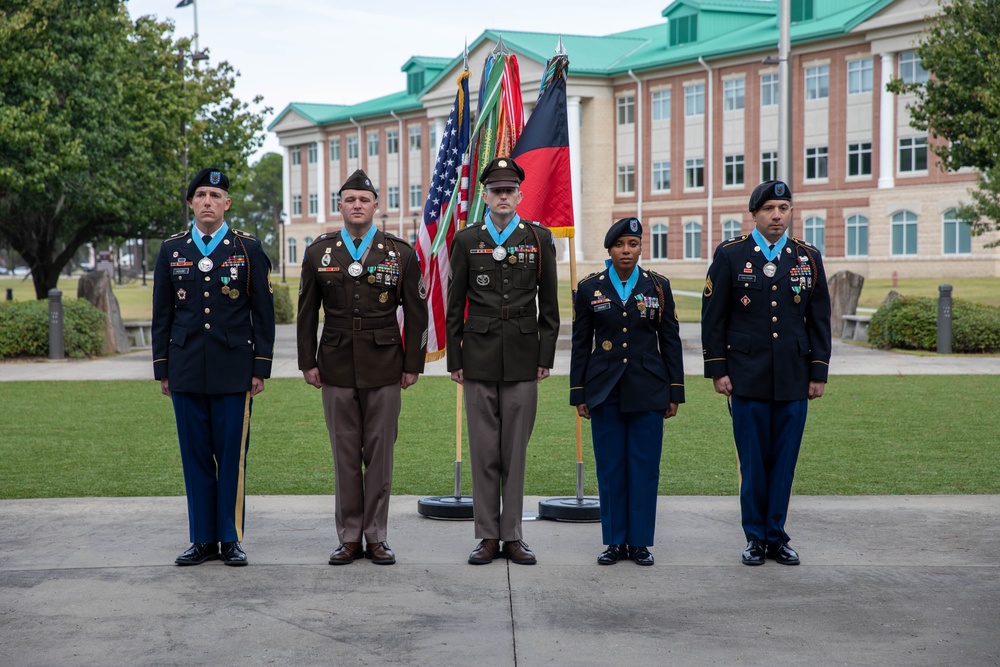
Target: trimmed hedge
(24,328)
(910,323)
(284,309)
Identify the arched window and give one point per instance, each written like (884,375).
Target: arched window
(814,230)
(293,255)
(659,238)
(857,236)
(692,240)
(730,229)
(308,242)
(904,233)
(956,237)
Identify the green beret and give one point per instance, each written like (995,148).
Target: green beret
(359,181)
(211,177)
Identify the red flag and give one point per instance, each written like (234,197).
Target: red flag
(543,153)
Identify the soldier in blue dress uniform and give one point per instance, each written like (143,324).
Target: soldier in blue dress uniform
(213,335)
(765,328)
(626,384)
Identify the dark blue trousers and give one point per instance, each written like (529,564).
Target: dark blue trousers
(214,433)
(627,447)
(768,435)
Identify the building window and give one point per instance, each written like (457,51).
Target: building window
(733,94)
(859,76)
(904,233)
(308,242)
(859,159)
(659,239)
(730,229)
(626,109)
(372,144)
(818,82)
(414,132)
(683,30)
(694,99)
(769,90)
(857,236)
(733,170)
(802,10)
(661,104)
(694,173)
(334,150)
(957,239)
(293,254)
(626,179)
(434,137)
(313,204)
(416,196)
(352,147)
(661,176)
(312,153)
(910,68)
(392,197)
(769,166)
(334,202)
(913,154)
(814,230)
(296,204)
(816,163)
(296,156)
(391,142)
(692,240)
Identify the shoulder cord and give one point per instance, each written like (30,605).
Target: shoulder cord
(538,244)
(247,255)
(663,301)
(399,261)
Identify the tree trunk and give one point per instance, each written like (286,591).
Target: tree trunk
(845,290)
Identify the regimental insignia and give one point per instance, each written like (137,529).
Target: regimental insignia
(215,177)
(182,294)
(633,225)
(368,183)
(779,189)
(339,243)
(176,253)
(383,297)
(708,286)
(326,260)
(745,300)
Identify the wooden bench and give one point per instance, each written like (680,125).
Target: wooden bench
(856,327)
(138,331)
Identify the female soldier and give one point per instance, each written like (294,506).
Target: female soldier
(627,373)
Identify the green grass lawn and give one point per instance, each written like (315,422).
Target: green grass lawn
(869,435)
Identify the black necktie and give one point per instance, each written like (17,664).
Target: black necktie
(771,248)
(206,239)
(357,243)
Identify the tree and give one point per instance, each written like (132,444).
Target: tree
(257,209)
(91,111)
(960,102)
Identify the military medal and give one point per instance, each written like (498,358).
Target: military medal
(606,345)
(355,269)
(225,285)
(641,306)
(499,253)
(797,298)
(770,269)
(512,259)
(205,264)
(234,294)
(371,279)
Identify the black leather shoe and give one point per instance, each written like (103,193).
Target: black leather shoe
(199,553)
(613,554)
(640,555)
(780,552)
(233,554)
(754,553)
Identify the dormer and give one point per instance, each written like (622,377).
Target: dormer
(690,21)
(421,70)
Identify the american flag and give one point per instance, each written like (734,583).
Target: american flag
(451,177)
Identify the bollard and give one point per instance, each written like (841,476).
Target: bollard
(895,280)
(10,293)
(944,319)
(57,349)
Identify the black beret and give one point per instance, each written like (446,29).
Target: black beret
(502,172)
(624,227)
(211,177)
(769,190)
(359,181)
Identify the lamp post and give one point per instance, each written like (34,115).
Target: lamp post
(195,57)
(414,239)
(384,218)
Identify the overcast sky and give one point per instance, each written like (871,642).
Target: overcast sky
(341,52)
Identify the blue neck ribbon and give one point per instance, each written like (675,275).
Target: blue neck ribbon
(624,291)
(207,250)
(763,243)
(357,253)
(499,238)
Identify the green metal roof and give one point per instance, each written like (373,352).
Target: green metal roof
(328,114)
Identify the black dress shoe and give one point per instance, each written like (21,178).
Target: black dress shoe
(199,553)
(613,554)
(754,553)
(640,555)
(233,554)
(780,552)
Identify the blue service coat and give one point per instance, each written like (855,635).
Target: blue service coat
(205,341)
(638,345)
